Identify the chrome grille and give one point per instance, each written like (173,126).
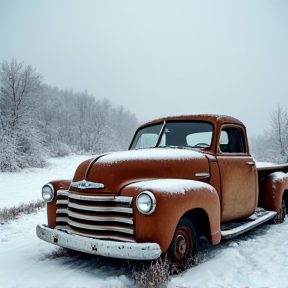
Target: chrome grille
(104,217)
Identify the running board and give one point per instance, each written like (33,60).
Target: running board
(250,223)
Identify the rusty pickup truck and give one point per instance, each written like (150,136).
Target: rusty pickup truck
(182,178)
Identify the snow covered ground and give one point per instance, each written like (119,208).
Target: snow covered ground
(257,259)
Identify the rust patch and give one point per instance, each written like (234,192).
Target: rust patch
(94,248)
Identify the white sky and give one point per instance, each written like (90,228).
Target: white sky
(158,58)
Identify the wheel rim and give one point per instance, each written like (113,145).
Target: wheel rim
(182,245)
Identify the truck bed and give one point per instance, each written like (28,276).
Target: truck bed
(265,168)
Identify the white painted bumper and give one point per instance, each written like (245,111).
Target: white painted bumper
(108,248)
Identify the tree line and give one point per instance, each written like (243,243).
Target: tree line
(38,121)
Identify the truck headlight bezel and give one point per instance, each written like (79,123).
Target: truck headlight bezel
(146,202)
(48,193)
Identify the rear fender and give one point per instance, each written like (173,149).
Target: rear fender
(174,198)
(271,191)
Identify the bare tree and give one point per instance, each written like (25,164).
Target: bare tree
(278,129)
(272,146)
(20,86)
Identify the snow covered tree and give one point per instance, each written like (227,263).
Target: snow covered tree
(278,129)
(125,124)
(37,120)
(272,146)
(54,117)
(78,122)
(20,144)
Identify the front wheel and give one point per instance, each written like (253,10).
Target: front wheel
(184,243)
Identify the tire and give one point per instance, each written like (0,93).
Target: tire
(280,218)
(184,243)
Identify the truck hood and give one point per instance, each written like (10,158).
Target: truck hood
(109,173)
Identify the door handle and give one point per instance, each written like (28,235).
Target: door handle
(250,163)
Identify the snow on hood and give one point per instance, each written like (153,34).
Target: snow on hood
(172,186)
(151,154)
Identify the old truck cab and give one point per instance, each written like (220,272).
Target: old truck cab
(182,177)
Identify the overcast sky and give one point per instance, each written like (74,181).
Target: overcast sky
(158,58)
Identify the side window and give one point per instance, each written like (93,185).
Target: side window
(232,140)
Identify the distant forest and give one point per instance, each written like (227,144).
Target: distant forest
(38,121)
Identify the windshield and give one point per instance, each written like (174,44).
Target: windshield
(178,133)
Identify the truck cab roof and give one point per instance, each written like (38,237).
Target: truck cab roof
(213,118)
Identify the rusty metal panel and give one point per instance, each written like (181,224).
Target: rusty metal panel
(239,187)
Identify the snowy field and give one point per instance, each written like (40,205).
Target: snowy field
(258,259)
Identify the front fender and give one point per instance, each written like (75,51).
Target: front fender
(271,192)
(174,198)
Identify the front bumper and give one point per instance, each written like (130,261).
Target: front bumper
(108,248)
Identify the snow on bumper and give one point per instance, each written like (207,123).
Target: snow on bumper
(115,249)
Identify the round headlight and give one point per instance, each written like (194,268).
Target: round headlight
(48,193)
(146,202)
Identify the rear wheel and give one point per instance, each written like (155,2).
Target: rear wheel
(184,243)
(280,218)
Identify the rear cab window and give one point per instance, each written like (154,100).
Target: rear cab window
(232,140)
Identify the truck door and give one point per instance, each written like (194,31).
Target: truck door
(238,175)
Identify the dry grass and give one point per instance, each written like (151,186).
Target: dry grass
(7,214)
(151,274)
(157,274)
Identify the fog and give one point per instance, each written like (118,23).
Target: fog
(158,58)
